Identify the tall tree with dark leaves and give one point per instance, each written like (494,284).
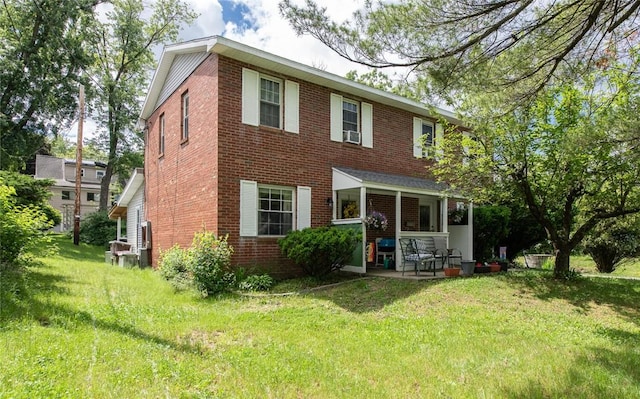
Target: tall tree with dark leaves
(526,43)
(41,57)
(121,43)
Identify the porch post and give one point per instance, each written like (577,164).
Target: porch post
(398,256)
(119,228)
(444,216)
(470,230)
(363,214)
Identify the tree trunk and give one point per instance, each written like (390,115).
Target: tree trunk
(562,262)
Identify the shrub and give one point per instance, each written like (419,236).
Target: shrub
(204,266)
(613,241)
(98,229)
(173,267)
(256,282)
(209,263)
(21,229)
(30,192)
(490,228)
(319,251)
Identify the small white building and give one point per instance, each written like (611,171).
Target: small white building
(63,173)
(130,207)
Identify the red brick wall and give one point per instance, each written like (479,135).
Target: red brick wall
(182,185)
(194,183)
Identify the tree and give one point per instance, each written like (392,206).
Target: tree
(613,241)
(28,192)
(40,60)
(122,58)
(527,44)
(570,154)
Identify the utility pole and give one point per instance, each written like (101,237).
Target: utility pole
(76,212)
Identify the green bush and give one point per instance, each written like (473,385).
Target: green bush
(30,192)
(97,229)
(209,262)
(22,229)
(490,228)
(263,282)
(319,251)
(173,266)
(205,266)
(613,241)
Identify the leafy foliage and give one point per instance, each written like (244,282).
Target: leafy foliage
(490,228)
(174,267)
(209,262)
(570,155)
(451,45)
(205,266)
(41,58)
(319,251)
(614,241)
(257,282)
(21,229)
(32,192)
(97,229)
(121,45)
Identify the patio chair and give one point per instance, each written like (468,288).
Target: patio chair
(450,253)
(411,254)
(426,248)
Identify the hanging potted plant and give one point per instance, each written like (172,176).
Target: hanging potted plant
(376,221)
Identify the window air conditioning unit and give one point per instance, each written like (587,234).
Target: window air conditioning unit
(350,136)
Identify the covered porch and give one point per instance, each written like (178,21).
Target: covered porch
(414,207)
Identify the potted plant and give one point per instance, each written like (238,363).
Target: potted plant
(452,271)
(376,221)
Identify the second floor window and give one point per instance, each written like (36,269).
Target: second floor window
(269,102)
(185,116)
(427,134)
(350,116)
(66,195)
(99,174)
(93,197)
(161,136)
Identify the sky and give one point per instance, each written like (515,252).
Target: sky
(258,23)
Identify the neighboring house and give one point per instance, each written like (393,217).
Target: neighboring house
(249,144)
(63,172)
(130,206)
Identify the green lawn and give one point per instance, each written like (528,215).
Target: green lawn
(76,327)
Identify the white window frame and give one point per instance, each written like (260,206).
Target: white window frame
(291,212)
(436,134)
(250,207)
(364,119)
(161,134)
(261,101)
(100,174)
(357,104)
(289,108)
(184,114)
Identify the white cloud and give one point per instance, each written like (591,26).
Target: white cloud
(264,28)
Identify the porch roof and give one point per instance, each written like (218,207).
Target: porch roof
(344,178)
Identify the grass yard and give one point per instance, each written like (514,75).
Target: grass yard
(77,327)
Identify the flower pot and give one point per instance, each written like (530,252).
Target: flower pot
(494,267)
(468,267)
(452,271)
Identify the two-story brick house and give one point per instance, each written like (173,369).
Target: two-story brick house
(63,172)
(249,144)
